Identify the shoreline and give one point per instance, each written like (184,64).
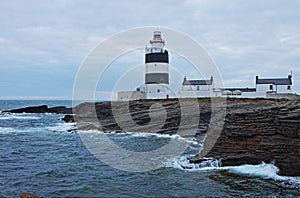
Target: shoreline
(254,130)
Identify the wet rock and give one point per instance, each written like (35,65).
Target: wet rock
(135,117)
(68,118)
(35,109)
(262,133)
(60,110)
(41,109)
(27,195)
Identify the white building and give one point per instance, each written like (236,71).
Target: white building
(132,95)
(196,88)
(265,88)
(235,92)
(268,87)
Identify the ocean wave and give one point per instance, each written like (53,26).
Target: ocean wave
(184,164)
(6,130)
(143,134)
(263,170)
(266,171)
(63,127)
(159,135)
(21,116)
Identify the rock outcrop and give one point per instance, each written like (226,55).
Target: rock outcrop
(68,118)
(164,117)
(257,131)
(251,131)
(254,130)
(28,195)
(42,109)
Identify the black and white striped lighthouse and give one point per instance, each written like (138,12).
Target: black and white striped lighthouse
(157,68)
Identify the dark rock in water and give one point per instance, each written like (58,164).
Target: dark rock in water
(42,109)
(27,195)
(60,110)
(35,109)
(197,160)
(72,130)
(68,118)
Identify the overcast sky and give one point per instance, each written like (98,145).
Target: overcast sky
(43,43)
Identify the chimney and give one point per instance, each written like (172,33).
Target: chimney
(290,78)
(184,80)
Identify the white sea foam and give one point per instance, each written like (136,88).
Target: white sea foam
(6,130)
(62,127)
(263,170)
(266,171)
(136,134)
(20,116)
(184,164)
(159,135)
(91,131)
(146,135)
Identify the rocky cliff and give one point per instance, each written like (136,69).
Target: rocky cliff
(239,131)
(252,130)
(158,116)
(259,130)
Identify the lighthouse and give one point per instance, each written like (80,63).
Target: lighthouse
(157,68)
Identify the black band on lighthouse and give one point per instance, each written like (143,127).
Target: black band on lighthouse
(157,57)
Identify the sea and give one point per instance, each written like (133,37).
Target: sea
(42,155)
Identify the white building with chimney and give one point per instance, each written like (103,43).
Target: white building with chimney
(196,88)
(268,87)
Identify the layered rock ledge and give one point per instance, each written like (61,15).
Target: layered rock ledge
(256,131)
(156,116)
(251,131)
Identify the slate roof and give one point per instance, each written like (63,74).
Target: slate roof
(197,82)
(275,81)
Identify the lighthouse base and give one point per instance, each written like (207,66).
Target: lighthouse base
(157,91)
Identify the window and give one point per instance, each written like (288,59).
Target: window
(271,87)
(288,87)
